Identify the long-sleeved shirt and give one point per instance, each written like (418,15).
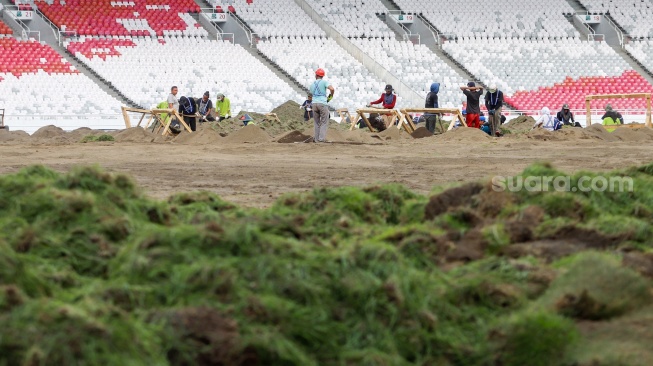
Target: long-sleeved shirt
(494,100)
(388,100)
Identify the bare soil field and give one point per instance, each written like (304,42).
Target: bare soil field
(251,168)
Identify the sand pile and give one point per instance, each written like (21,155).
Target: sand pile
(134,134)
(249,134)
(544,135)
(203,136)
(421,132)
(391,133)
(519,124)
(292,137)
(332,134)
(600,132)
(49,132)
(13,136)
(464,134)
(631,134)
(363,136)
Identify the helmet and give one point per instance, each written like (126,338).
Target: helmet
(565,106)
(608,107)
(319,72)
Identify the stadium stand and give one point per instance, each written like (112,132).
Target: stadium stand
(123,18)
(634,16)
(273,19)
(642,51)
(5,30)
(416,66)
(35,80)
(551,73)
(354,18)
(144,69)
(299,57)
(513,18)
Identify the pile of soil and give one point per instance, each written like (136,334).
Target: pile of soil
(49,132)
(332,134)
(292,137)
(203,136)
(249,134)
(464,134)
(134,134)
(391,133)
(360,136)
(630,134)
(519,124)
(13,136)
(421,132)
(544,135)
(600,132)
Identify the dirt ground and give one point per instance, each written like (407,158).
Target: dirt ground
(256,174)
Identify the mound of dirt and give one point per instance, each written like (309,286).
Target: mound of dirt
(289,112)
(360,136)
(203,136)
(600,132)
(421,132)
(249,134)
(544,135)
(520,124)
(292,137)
(332,134)
(13,136)
(630,134)
(48,132)
(464,134)
(391,133)
(134,134)
(574,133)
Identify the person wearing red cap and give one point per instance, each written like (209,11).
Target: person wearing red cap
(320,110)
(388,101)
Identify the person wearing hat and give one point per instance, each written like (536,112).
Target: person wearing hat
(307,106)
(494,103)
(205,108)
(321,113)
(565,116)
(611,118)
(388,101)
(432,101)
(473,94)
(223,107)
(188,111)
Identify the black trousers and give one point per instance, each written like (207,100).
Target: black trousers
(191,122)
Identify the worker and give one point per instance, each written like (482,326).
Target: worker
(188,110)
(472,106)
(611,118)
(321,114)
(493,103)
(566,116)
(223,107)
(205,108)
(432,119)
(307,106)
(547,121)
(388,101)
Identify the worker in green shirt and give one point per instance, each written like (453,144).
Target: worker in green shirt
(223,107)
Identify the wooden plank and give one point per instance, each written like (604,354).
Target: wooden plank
(367,122)
(354,121)
(617,96)
(588,115)
(149,120)
(141,120)
(181,120)
(137,110)
(125,116)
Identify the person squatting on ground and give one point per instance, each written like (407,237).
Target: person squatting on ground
(546,121)
(473,94)
(493,103)
(205,108)
(432,102)
(173,103)
(223,107)
(388,100)
(611,117)
(320,110)
(566,116)
(188,109)
(307,106)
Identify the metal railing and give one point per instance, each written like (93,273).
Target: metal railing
(65,35)
(251,38)
(620,34)
(408,34)
(54,28)
(220,33)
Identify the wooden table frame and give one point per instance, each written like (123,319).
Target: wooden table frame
(155,114)
(409,126)
(454,111)
(590,98)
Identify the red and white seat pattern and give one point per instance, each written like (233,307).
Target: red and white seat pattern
(124,18)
